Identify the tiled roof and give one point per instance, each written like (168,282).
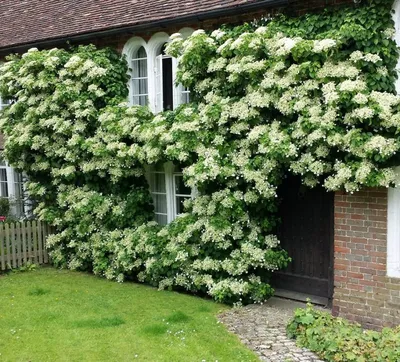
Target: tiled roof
(29,21)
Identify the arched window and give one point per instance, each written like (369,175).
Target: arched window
(139,80)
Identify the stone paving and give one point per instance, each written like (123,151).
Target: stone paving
(262,328)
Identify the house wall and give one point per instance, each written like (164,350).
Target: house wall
(296,8)
(117,41)
(363,292)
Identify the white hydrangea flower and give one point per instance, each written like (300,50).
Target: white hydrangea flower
(384,146)
(198,32)
(217,34)
(363,113)
(352,86)
(360,98)
(383,71)
(217,65)
(323,45)
(372,58)
(284,45)
(329,92)
(356,56)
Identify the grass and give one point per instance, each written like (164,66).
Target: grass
(58,315)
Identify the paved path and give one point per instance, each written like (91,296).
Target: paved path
(262,328)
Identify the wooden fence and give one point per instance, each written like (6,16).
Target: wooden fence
(22,243)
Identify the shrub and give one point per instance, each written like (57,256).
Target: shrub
(336,339)
(4,206)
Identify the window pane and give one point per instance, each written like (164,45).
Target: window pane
(3,183)
(18,191)
(18,185)
(3,175)
(142,68)
(185,97)
(180,187)
(159,167)
(139,87)
(139,77)
(160,203)
(4,103)
(161,219)
(139,68)
(141,53)
(158,182)
(3,189)
(179,204)
(143,86)
(17,177)
(142,100)
(139,100)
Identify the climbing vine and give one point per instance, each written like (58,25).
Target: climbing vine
(311,96)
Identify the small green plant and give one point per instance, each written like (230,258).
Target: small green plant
(25,268)
(336,339)
(37,291)
(4,206)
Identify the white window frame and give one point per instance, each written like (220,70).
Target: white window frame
(130,50)
(12,185)
(153,49)
(158,86)
(393,210)
(393,234)
(135,61)
(170,187)
(396,19)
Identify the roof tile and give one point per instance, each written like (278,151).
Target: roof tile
(29,21)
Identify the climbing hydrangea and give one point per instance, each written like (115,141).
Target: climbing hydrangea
(265,104)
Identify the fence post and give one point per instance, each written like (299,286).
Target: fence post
(34,240)
(29,241)
(25,251)
(46,234)
(8,249)
(40,242)
(13,247)
(18,230)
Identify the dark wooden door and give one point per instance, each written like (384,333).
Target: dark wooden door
(306,233)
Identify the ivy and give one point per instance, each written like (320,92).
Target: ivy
(335,339)
(363,27)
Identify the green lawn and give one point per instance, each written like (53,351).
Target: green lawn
(58,315)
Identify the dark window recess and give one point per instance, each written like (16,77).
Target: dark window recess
(167,84)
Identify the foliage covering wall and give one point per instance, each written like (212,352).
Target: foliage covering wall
(310,96)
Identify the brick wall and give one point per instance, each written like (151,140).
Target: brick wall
(363,292)
(295,8)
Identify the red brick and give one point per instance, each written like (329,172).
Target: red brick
(363,292)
